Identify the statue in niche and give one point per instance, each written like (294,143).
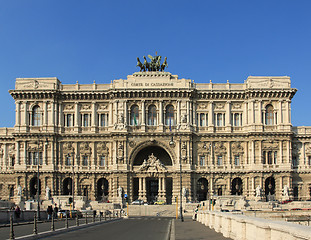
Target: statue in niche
(258,191)
(120,191)
(47,193)
(19,190)
(285,191)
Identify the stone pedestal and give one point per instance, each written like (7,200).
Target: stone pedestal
(260,199)
(19,201)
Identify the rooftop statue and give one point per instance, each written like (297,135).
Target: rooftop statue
(154,65)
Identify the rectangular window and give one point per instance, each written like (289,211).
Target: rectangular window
(295,162)
(202,160)
(236,160)
(202,119)
(86,120)
(219,160)
(309,160)
(103,121)
(69,120)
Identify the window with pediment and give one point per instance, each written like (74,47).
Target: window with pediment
(134,115)
(152,115)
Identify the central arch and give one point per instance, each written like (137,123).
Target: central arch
(157,151)
(151,181)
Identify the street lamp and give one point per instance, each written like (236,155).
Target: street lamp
(38,173)
(180,193)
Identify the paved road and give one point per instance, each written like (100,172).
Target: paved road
(142,228)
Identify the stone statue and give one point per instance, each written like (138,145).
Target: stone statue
(142,66)
(47,193)
(153,65)
(120,191)
(184,192)
(258,191)
(285,191)
(19,190)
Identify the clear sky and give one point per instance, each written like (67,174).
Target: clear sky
(218,40)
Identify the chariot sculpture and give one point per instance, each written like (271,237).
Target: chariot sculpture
(154,65)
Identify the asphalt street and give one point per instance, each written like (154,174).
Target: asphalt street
(142,228)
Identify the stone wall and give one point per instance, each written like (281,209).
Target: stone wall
(250,228)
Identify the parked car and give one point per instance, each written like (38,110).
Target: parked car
(286,201)
(138,202)
(160,202)
(73,214)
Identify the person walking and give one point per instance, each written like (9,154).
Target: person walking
(49,212)
(55,211)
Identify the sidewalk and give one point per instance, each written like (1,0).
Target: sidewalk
(194,230)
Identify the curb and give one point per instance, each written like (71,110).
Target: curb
(63,230)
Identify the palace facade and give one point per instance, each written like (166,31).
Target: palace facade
(152,135)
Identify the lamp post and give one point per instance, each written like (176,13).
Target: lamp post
(38,174)
(180,192)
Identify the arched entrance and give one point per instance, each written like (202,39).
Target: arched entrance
(151,180)
(33,187)
(236,186)
(270,188)
(67,186)
(102,189)
(202,189)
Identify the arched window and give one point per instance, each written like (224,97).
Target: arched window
(169,115)
(36,117)
(134,117)
(269,115)
(152,115)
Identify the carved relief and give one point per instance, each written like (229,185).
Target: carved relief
(85,148)
(69,107)
(308,149)
(103,107)
(152,164)
(220,106)
(184,151)
(236,106)
(67,147)
(120,152)
(220,149)
(237,148)
(86,107)
(270,145)
(203,106)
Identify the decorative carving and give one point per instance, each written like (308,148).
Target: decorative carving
(270,145)
(202,106)
(219,106)
(86,107)
(237,148)
(69,107)
(152,164)
(102,107)
(67,147)
(184,151)
(308,149)
(220,148)
(120,152)
(85,148)
(236,106)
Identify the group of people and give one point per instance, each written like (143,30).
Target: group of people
(52,212)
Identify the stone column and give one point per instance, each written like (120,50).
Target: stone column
(25,153)
(161,113)
(45,113)
(287,114)
(110,114)
(211,115)
(18,113)
(228,114)
(143,113)
(260,151)
(160,188)
(18,162)
(140,188)
(259,118)
(245,113)
(252,152)
(93,120)
(144,190)
(178,113)
(164,188)
(251,112)
(280,112)
(44,154)
(126,120)
(303,154)
(77,115)
(115,112)
(281,151)
(188,112)
(93,157)
(229,163)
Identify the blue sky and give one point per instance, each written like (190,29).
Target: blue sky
(87,40)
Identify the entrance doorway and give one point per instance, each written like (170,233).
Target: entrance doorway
(152,189)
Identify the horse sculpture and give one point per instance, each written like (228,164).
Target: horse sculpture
(142,66)
(153,65)
(164,64)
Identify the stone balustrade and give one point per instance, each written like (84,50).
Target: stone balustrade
(251,228)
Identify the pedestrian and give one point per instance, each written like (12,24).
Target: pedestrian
(195,213)
(55,211)
(49,212)
(17,212)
